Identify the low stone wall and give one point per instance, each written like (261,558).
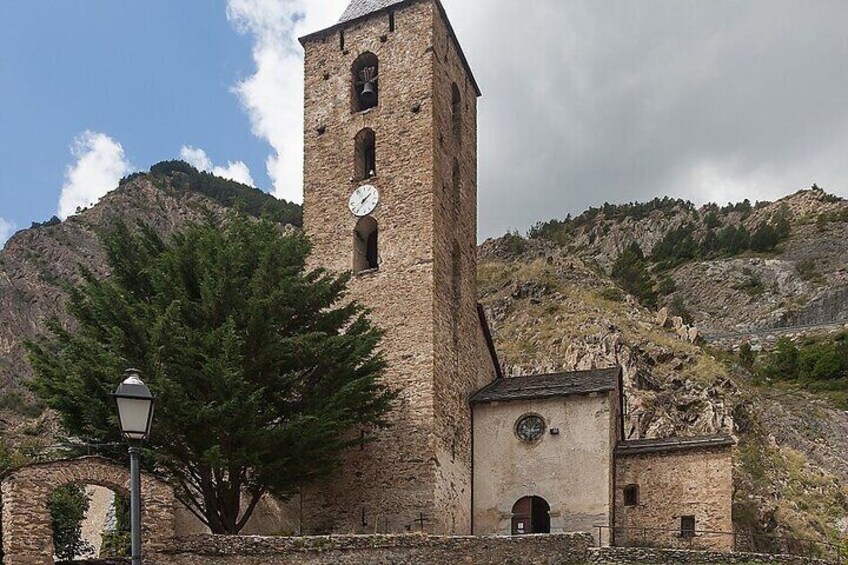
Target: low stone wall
(116,561)
(634,556)
(556,549)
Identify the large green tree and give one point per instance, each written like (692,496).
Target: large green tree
(264,371)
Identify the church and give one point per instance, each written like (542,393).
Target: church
(390,193)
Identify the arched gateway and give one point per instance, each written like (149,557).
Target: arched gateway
(27,528)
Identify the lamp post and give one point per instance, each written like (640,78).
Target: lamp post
(135,414)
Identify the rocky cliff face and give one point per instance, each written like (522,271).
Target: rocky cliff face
(36,263)
(549,312)
(804,283)
(800,282)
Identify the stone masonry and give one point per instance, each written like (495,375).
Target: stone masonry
(27,529)
(650,556)
(417,475)
(557,549)
(564,549)
(672,484)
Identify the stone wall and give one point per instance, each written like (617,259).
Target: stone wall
(27,528)
(417,474)
(673,484)
(390,482)
(633,556)
(462,361)
(564,549)
(557,549)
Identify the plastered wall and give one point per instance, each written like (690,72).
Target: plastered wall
(571,471)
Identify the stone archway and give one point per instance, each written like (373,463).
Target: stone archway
(27,528)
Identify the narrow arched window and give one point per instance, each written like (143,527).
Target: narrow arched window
(365,151)
(365,245)
(366,89)
(456,112)
(631,495)
(456,190)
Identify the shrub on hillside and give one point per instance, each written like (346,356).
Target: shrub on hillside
(631,272)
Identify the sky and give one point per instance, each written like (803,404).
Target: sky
(584,101)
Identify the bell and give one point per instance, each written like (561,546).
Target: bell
(369,95)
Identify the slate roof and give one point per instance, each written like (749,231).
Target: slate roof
(547,386)
(638,447)
(358,8)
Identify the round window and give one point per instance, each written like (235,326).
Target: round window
(530,427)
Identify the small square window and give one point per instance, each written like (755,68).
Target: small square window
(687,526)
(631,495)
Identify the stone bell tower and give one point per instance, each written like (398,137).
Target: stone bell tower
(391,194)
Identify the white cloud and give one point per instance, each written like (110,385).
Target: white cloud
(617,100)
(273,95)
(100,165)
(7,228)
(237,171)
(196,158)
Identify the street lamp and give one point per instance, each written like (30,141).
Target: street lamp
(135,415)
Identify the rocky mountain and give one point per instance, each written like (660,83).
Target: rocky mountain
(563,298)
(36,264)
(735,269)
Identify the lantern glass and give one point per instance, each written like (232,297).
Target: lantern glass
(135,407)
(136,415)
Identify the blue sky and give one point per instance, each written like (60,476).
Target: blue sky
(584,101)
(151,77)
(154,75)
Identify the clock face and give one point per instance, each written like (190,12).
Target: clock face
(363,200)
(530,428)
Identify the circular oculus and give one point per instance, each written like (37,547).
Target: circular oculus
(530,427)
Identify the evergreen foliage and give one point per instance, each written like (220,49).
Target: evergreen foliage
(515,244)
(632,274)
(264,372)
(229,193)
(747,356)
(715,232)
(818,364)
(743,208)
(118,542)
(561,230)
(733,240)
(53,221)
(711,220)
(676,247)
(68,505)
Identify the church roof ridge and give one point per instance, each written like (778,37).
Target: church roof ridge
(551,385)
(658,445)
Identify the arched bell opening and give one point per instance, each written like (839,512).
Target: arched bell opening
(366,87)
(531,515)
(366,256)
